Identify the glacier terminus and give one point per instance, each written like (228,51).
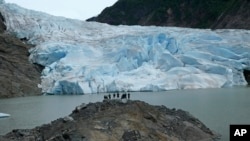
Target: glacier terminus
(87,57)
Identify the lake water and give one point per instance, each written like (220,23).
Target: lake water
(216,108)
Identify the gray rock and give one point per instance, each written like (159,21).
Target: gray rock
(67,118)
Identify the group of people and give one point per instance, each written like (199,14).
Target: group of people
(117,96)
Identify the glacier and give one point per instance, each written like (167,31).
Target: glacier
(87,57)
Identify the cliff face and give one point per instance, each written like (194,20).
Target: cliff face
(18,77)
(180,13)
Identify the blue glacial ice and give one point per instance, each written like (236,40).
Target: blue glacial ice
(4,115)
(88,57)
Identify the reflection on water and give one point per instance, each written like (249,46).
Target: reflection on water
(216,108)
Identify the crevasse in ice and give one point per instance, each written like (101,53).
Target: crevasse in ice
(88,57)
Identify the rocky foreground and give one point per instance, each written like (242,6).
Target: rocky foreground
(118,121)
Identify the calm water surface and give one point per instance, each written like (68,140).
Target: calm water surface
(216,108)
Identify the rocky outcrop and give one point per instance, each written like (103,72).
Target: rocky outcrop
(18,77)
(113,120)
(213,14)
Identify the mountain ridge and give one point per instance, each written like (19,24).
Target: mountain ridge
(219,14)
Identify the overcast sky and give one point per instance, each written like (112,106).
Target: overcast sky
(77,9)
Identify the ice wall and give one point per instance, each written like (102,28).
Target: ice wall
(88,57)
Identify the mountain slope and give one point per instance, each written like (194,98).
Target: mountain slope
(18,77)
(182,13)
(238,16)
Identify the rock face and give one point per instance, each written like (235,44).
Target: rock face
(182,13)
(18,77)
(236,17)
(117,121)
(247,76)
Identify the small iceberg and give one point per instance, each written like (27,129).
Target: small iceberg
(3,115)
